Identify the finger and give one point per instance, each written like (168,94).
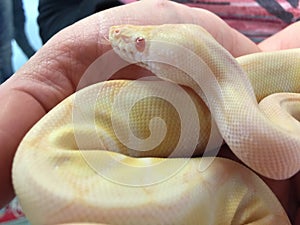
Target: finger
(285,39)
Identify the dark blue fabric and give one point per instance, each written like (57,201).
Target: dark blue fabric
(6,35)
(54,15)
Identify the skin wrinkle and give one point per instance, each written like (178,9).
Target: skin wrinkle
(23,90)
(50,85)
(77,58)
(71,63)
(52,82)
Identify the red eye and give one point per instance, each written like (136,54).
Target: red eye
(140,44)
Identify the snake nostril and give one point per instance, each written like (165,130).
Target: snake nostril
(117,32)
(140,44)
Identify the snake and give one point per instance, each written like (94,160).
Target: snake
(145,151)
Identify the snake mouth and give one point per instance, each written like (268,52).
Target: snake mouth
(130,57)
(125,53)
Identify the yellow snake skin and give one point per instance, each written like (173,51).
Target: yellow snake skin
(120,152)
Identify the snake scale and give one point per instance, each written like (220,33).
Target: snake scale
(120,152)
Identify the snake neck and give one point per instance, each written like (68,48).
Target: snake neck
(190,55)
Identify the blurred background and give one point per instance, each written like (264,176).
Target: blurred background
(32,31)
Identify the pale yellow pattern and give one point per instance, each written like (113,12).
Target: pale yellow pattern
(78,162)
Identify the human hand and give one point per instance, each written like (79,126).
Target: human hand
(55,71)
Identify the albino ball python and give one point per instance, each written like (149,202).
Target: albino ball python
(72,166)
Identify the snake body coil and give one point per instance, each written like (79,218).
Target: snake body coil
(76,157)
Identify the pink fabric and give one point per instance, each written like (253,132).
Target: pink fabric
(256,19)
(12,214)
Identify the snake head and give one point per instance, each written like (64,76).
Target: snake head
(142,44)
(130,42)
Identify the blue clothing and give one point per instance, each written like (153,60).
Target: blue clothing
(55,15)
(19,28)
(12,26)
(6,35)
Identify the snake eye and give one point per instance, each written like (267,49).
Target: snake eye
(140,44)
